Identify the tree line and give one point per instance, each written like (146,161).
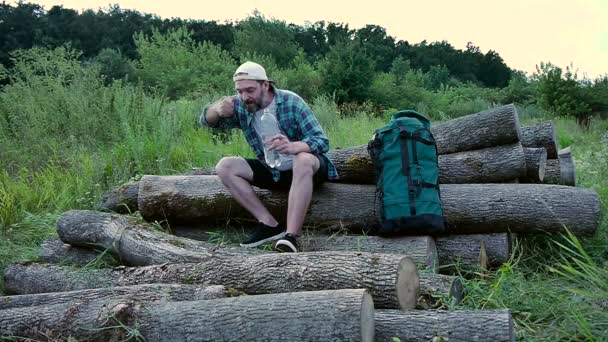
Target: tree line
(185,58)
(25,25)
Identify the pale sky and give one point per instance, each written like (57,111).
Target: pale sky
(523,32)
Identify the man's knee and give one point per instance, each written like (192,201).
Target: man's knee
(231,166)
(305,165)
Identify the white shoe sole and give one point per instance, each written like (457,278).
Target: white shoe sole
(257,243)
(288,244)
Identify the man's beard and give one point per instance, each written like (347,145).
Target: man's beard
(255,105)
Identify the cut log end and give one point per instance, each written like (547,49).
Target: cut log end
(408,284)
(367,318)
(483,256)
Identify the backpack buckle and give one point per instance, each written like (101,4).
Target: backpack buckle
(405,134)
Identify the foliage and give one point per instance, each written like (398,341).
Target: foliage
(562,96)
(303,78)
(115,66)
(188,68)
(347,72)
(265,37)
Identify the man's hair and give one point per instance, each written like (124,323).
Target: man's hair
(270,86)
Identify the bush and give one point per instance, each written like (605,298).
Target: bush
(115,66)
(273,38)
(178,66)
(347,72)
(302,79)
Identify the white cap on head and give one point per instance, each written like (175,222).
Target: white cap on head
(250,71)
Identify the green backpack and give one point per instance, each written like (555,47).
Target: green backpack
(404,155)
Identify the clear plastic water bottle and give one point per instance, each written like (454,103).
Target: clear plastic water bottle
(270,128)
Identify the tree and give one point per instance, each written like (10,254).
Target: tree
(561,95)
(265,37)
(187,67)
(493,72)
(347,72)
(376,43)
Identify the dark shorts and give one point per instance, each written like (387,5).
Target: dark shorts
(262,176)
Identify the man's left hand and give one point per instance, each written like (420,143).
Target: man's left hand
(281,144)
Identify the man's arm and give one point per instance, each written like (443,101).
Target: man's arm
(313,135)
(221,109)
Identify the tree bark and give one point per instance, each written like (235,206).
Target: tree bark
(566,169)
(493,127)
(469,208)
(137,244)
(541,135)
(122,200)
(561,170)
(138,293)
(420,248)
(536,162)
(494,164)
(437,290)
(319,315)
(441,325)
(553,172)
(473,251)
(55,251)
(391,279)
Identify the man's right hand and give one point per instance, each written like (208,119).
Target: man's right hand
(225,107)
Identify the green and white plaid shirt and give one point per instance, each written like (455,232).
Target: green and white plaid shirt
(295,118)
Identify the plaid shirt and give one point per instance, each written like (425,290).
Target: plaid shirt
(295,118)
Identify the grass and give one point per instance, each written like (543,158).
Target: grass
(106,136)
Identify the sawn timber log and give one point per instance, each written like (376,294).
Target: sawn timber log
(473,251)
(344,315)
(561,170)
(469,208)
(441,325)
(493,164)
(139,244)
(541,135)
(392,280)
(139,293)
(536,163)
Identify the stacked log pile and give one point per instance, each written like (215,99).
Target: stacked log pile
(343,286)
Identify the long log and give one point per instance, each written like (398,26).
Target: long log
(391,279)
(536,163)
(55,251)
(473,251)
(431,290)
(320,315)
(494,164)
(493,127)
(541,135)
(441,325)
(469,208)
(137,244)
(420,248)
(138,293)
(491,164)
(123,199)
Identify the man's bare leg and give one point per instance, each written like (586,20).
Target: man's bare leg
(237,176)
(304,167)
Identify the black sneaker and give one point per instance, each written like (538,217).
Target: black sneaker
(288,243)
(263,234)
